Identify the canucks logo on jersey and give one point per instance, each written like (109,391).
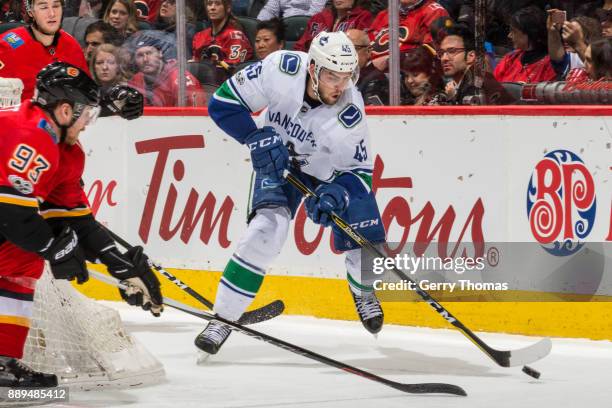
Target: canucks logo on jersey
(350,116)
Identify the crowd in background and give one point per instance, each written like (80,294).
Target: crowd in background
(134,42)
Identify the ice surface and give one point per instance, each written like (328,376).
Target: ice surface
(251,373)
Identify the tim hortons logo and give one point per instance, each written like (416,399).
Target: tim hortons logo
(208,216)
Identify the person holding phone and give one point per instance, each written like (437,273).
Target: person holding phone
(529,62)
(568,42)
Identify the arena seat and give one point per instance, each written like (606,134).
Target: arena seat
(249,25)
(294,28)
(76,26)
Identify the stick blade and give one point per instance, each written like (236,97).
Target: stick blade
(531,353)
(266,312)
(430,388)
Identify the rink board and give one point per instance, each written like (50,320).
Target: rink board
(176,184)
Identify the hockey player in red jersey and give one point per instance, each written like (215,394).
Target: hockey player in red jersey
(416,17)
(24,51)
(66,102)
(223,42)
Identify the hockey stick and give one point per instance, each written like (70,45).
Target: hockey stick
(504,358)
(266,312)
(424,388)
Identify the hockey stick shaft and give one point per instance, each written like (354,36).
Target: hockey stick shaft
(500,357)
(409,388)
(267,311)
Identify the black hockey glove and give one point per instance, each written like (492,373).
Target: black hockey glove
(134,269)
(124,101)
(66,257)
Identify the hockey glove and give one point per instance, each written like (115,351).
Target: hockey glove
(332,198)
(66,258)
(134,269)
(269,155)
(124,101)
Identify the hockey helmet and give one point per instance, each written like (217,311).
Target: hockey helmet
(28,4)
(62,82)
(335,52)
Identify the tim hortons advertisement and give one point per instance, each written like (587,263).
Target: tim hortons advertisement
(464,185)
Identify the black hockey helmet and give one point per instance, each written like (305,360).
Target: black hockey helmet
(62,82)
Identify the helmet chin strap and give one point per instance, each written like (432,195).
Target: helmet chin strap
(63,128)
(315,86)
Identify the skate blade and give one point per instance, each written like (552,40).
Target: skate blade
(203,358)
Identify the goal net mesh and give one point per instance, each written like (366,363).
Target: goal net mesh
(83,342)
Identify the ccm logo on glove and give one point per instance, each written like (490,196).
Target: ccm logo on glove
(268,141)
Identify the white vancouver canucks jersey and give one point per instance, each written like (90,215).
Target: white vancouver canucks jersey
(325,141)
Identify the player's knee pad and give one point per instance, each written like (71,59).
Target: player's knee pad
(265,236)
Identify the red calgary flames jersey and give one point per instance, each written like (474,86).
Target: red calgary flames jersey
(511,69)
(21,56)
(229,45)
(414,28)
(28,154)
(67,198)
(163,91)
(324,21)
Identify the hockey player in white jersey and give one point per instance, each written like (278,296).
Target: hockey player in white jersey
(314,126)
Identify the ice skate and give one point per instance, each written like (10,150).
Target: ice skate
(369,311)
(13,373)
(212,337)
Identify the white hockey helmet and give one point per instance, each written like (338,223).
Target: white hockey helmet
(335,52)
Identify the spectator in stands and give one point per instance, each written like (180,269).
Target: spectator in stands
(144,10)
(86,8)
(269,37)
(224,42)
(598,60)
(107,68)
(591,8)
(157,78)
(342,15)
(576,34)
(529,62)
(457,54)
(99,33)
(121,14)
(166,21)
(416,18)
(288,8)
(422,77)
(605,18)
(372,83)
(10,11)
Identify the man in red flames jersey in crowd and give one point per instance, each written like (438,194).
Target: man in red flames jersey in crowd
(416,18)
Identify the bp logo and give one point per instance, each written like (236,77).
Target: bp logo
(561,202)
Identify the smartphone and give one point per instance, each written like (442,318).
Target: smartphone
(559,17)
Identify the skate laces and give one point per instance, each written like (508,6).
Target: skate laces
(24,368)
(216,332)
(367,306)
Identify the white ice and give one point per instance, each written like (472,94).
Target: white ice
(250,373)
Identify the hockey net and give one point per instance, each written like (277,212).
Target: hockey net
(10,91)
(83,342)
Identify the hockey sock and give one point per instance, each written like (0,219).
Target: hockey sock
(360,282)
(245,271)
